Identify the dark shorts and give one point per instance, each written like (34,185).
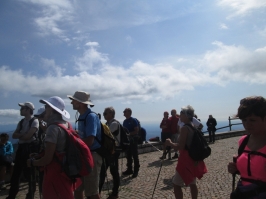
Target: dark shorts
(6,161)
(165,136)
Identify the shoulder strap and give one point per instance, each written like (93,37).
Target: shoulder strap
(243,145)
(20,124)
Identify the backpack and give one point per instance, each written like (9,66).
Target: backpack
(198,149)
(124,140)
(107,139)
(140,133)
(77,160)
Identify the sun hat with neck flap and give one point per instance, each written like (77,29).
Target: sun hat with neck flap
(81,96)
(57,104)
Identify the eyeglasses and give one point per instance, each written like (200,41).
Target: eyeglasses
(251,100)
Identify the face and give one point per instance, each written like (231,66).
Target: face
(4,140)
(165,115)
(76,104)
(254,124)
(173,113)
(48,112)
(126,113)
(107,115)
(23,110)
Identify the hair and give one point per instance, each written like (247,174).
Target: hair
(188,111)
(252,105)
(129,110)
(4,135)
(111,109)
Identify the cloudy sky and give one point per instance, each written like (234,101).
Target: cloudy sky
(150,55)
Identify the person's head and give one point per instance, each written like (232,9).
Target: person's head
(187,114)
(165,114)
(4,138)
(252,112)
(80,100)
(173,112)
(254,105)
(210,116)
(26,108)
(109,113)
(127,112)
(40,113)
(54,106)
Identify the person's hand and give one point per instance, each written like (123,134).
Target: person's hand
(168,142)
(232,167)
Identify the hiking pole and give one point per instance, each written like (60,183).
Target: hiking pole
(154,147)
(234,176)
(168,149)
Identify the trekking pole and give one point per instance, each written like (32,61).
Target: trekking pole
(154,147)
(168,149)
(234,176)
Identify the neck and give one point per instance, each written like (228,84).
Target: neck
(27,117)
(83,110)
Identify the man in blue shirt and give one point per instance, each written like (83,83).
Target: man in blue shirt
(89,127)
(133,127)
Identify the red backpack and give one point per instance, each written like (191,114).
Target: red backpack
(77,160)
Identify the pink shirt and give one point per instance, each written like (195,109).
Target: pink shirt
(257,165)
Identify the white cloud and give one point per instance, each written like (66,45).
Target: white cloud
(51,67)
(242,8)
(141,80)
(9,113)
(223,26)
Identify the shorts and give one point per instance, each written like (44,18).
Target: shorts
(165,136)
(177,180)
(6,160)
(90,183)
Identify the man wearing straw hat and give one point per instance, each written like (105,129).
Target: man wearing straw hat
(89,128)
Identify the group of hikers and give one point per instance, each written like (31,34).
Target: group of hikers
(43,143)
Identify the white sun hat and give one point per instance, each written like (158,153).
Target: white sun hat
(57,104)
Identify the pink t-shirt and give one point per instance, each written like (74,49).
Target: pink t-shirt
(257,165)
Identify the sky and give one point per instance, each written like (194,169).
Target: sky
(149,55)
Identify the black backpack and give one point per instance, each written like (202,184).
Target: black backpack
(141,137)
(198,149)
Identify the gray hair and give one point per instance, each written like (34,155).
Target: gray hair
(188,111)
(111,109)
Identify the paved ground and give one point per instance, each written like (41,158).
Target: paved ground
(216,184)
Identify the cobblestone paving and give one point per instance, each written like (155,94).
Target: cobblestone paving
(216,184)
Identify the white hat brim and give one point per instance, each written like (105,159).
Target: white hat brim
(62,112)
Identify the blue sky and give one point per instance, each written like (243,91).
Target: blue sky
(149,55)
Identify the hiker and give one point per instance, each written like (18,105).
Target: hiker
(133,127)
(56,184)
(166,133)
(251,161)
(6,159)
(88,130)
(211,124)
(174,130)
(187,170)
(109,116)
(26,134)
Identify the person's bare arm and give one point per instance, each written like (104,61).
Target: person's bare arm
(89,140)
(28,135)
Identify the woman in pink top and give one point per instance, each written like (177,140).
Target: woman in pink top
(251,163)
(187,170)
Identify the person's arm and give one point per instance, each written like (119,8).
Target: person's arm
(28,135)
(181,143)
(9,148)
(17,134)
(46,159)
(89,140)
(136,127)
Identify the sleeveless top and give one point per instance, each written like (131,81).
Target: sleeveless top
(257,164)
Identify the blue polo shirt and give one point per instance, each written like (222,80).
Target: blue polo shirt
(92,128)
(130,124)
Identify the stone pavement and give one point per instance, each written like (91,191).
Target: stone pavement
(216,184)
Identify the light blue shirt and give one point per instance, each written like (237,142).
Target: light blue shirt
(90,127)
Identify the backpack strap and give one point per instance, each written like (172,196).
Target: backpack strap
(30,123)
(243,145)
